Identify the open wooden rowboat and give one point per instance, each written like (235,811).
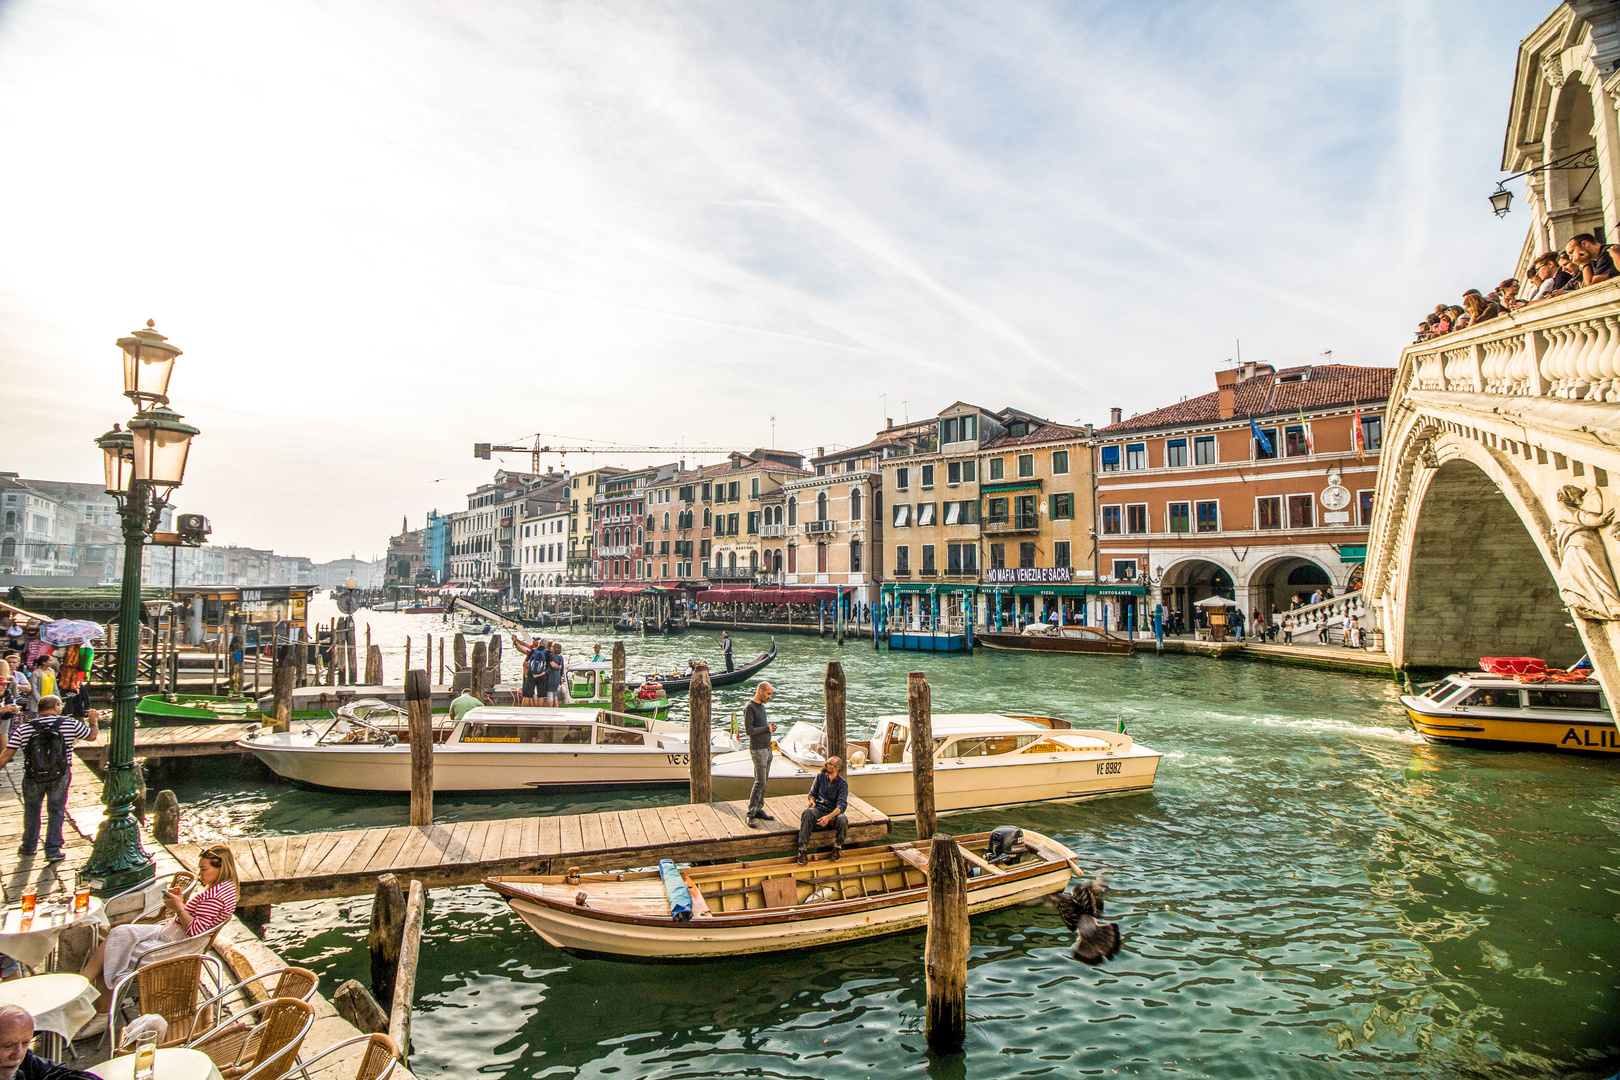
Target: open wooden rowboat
(774,905)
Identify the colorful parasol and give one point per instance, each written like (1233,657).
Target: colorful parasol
(70,632)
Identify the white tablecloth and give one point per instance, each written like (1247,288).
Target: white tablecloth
(175,1063)
(32,946)
(60,1003)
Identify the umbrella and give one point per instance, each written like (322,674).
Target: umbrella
(1216,601)
(69,632)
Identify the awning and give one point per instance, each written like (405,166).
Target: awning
(1352,553)
(1011,485)
(925,586)
(614,592)
(1045,590)
(766,596)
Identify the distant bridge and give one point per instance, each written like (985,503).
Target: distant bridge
(1494,526)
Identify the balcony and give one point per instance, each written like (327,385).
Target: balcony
(773,532)
(763,578)
(613,551)
(820,528)
(1019,523)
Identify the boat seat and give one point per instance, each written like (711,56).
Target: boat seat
(780,891)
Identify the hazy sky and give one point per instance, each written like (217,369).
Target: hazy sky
(383,231)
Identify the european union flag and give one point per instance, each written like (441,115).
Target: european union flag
(1260,436)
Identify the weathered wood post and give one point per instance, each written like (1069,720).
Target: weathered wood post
(374,668)
(166,818)
(919,704)
(697,735)
(419,703)
(441,661)
(387,924)
(399,1016)
(427,658)
(407,666)
(356,1005)
(281,686)
(618,677)
(480,661)
(351,645)
(461,651)
(945,953)
(832,729)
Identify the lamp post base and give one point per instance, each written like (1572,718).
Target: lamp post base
(118,860)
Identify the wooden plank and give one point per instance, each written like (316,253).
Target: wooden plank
(571,841)
(530,843)
(294,851)
(652,826)
(549,841)
(697,824)
(332,862)
(364,851)
(410,851)
(475,842)
(590,832)
(672,824)
(512,839)
(315,852)
(383,860)
(612,832)
(630,825)
(494,836)
(455,851)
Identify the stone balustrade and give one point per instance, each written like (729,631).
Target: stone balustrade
(1563,348)
(1310,618)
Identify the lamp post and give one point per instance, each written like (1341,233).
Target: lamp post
(143,467)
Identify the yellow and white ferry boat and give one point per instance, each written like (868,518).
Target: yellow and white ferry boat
(1542,710)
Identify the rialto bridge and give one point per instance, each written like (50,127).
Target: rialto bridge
(1494,529)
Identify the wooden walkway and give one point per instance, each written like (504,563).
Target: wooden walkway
(283,869)
(178,740)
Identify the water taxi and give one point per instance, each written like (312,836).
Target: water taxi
(773,905)
(980,761)
(366,747)
(1534,709)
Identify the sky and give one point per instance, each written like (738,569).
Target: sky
(383,231)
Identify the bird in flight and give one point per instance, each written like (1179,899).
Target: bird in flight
(1094,941)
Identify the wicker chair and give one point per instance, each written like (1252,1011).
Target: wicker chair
(258,1043)
(170,988)
(185,881)
(290,982)
(376,1062)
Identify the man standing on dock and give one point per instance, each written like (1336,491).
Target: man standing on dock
(759,729)
(47,745)
(725,648)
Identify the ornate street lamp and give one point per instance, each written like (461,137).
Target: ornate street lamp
(1502,198)
(143,466)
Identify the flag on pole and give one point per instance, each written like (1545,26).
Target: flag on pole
(1260,436)
(1310,444)
(1361,439)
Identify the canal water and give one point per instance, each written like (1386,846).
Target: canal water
(1310,890)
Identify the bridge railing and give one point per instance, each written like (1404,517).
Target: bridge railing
(1308,621)
(1563,348)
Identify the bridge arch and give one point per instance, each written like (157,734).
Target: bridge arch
(1274,582)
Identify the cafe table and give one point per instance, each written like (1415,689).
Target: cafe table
(30,938)
(61,1003)
(174,1063)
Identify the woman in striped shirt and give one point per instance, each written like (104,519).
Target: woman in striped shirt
(127,945)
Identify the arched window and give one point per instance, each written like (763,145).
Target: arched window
(753,561)
(854,556)
(821,558)
(778,560)
(8,547)
(11,518)
(732,561)
(793,511)
(821,506)
(793,559)
(854,504)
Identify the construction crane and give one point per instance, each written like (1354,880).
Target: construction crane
(483,451)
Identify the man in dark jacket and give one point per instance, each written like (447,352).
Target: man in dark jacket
(829,798)
(17,1062)
(759,728)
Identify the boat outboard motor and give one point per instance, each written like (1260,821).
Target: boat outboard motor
(1006,844)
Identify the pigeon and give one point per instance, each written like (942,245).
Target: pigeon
(1094,941)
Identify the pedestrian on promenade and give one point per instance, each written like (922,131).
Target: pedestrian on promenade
(47,745)
(1322,627)
(73,683)
(43,680)
(535,660)
(1288,629)
(1348,625)
(759,728)
(9,709)
(556,671)
(725,647)
(828,800)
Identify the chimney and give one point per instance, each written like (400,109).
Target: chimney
(1226,390)
(821,451)
(888,423)
(1115,415)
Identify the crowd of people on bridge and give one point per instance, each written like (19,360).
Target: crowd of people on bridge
(1583,262)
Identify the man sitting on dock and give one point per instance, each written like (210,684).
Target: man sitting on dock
(829,798)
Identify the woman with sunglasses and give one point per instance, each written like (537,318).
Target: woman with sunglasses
(128,944)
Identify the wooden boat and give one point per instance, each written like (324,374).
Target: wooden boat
(1038,637)
(1538,710)
(980,761)
(774,905)
(157,710)
(366,747)
(674,684)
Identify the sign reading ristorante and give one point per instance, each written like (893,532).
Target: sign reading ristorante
(1030,575)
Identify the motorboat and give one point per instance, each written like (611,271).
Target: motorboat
(1516,704)
(772,905)
(366,747)
(1050,637)
(590,685)
(676,684)
(981,760)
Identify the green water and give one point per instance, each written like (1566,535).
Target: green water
(1309,891)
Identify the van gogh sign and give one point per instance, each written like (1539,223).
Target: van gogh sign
(1032,575)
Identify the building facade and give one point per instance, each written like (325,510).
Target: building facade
(734,498)
(1256,492)
(582,523)
(826,528)
(406,561)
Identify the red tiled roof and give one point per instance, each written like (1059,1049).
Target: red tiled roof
(1044,431)
(1326,386)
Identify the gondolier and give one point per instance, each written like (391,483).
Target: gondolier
(759,730)
(725,647)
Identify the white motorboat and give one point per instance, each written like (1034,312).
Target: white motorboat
(366,747)
(980,761)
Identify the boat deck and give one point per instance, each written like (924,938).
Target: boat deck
(178,740)
(283,869)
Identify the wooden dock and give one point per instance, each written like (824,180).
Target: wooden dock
(178,740)
(313,866)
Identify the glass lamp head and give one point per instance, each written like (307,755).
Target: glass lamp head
(161,445)
(148,363)
(118,458)
(1501,198)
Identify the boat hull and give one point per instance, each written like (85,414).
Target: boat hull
(1042,643)
(966,785)
(474,768)
(1586,735)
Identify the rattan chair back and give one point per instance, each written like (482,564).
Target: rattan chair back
(379,1059)
(170,989)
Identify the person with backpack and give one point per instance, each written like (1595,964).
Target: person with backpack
(536,663)
(47,745)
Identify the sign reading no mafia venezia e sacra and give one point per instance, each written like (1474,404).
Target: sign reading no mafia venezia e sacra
(1030,575)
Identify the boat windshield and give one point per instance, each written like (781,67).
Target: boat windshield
(374,723)
(1445,689)
(803,744)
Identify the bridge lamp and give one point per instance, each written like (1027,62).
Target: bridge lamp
(1500,199)
(148,363)
(118,451)
(162,444)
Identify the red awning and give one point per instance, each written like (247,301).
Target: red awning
(725,595)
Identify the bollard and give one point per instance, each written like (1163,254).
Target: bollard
(832,729)
(419,703)
(945,953)
(617,700)
(374,667)
(918,700)
(281,687)
(460,654)
(697,735)
(387,930)
(166,818)
(480,671)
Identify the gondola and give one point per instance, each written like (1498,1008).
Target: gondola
(681,684)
